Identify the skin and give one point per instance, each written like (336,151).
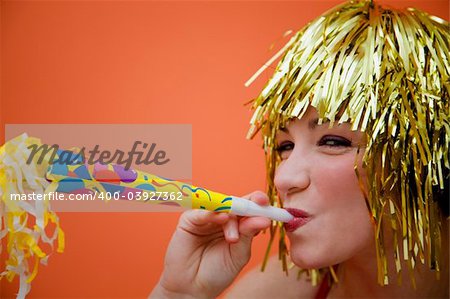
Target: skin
(207,252)
(316,175)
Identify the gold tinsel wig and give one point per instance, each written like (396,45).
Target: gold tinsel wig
(386,72)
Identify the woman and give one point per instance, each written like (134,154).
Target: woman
(356,131)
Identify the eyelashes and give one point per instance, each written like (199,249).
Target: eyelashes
(329,142)
(284,146)
(334,141)
(284,149)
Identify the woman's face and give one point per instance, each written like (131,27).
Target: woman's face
(317,177)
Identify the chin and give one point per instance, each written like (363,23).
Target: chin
(304,260)
(308,264)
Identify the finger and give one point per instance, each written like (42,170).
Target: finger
(230,229)
(195,229)
(250,226)
(259,197)
(202,217)
(202,221)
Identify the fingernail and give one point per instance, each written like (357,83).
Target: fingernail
(232,234)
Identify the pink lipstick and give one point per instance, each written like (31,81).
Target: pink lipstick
(300,219)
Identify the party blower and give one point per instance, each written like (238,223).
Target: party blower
(115,182)
(28,224)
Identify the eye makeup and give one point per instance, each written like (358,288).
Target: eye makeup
(334,141)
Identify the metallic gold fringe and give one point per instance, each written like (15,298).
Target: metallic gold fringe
(387,73)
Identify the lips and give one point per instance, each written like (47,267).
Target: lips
(300,219)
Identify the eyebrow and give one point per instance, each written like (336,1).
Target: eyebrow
(312,124)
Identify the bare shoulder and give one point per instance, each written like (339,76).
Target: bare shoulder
(272,283)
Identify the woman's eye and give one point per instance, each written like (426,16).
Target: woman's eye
(284,147)
(334,141)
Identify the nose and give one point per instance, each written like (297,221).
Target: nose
(292,175)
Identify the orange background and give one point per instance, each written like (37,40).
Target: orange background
(144,62)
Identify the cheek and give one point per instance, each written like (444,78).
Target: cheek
(336,177)
(343,209)
(340,201)
(342,226)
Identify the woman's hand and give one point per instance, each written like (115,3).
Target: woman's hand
(207,251)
